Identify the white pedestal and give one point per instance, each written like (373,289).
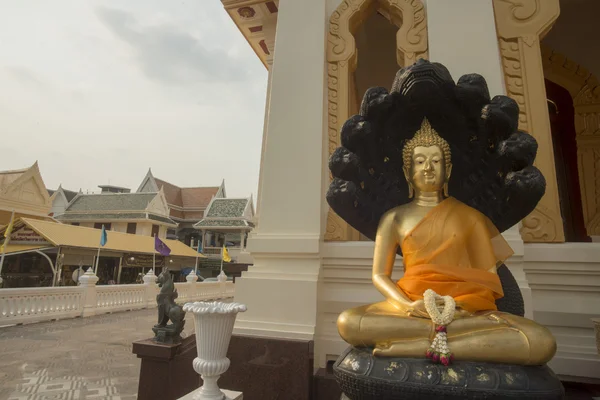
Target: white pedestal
(230,395)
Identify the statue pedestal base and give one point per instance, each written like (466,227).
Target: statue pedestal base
(166,371)
(364,377)
(169,334)
(229,395)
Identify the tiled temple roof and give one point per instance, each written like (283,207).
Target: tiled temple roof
(111,202)
(110,216)
(207,222)
(226,213)
(227,208)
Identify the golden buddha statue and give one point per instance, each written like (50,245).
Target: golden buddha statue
(452,249)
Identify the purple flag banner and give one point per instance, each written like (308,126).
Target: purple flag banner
(162,248)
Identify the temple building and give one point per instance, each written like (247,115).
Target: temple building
(321,56)
(227,222)
(60,199)
(24,192)
(145,214)
(49,253)
(187,205)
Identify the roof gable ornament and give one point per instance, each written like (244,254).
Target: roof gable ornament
(158,204)
(29,181)
(221,192)
(148,183)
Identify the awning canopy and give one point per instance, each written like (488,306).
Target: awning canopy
(63,235)
(5,216)
(24,248)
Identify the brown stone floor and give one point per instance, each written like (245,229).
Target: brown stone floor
(75,359)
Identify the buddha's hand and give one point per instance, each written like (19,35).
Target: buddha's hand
(460,313)
(417,309)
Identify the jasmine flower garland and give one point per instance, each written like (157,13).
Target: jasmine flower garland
(439,352)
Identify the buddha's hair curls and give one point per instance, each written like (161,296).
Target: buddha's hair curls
(426,136)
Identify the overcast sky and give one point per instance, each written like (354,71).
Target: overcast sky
(98,91)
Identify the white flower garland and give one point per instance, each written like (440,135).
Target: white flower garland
(439,351)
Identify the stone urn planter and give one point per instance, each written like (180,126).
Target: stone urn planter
(213,322)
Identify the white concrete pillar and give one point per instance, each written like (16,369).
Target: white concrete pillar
(269,29)
(462,36)
(88,282)
(286,243)
(151,288)
(264,140)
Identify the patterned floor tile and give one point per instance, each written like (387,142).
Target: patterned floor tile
(75,359)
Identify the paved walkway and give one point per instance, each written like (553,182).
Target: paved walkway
(91,358)
(75,359)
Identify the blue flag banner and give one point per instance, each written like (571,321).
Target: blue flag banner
(161,247)
(103,237)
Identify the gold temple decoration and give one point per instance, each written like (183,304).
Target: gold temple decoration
(411,44)
(520,25)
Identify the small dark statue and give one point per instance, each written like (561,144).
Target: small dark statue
(168,310)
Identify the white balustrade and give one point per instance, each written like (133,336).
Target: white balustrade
(229,289)
(199,291)
(184,292)
(27,305)
(22,305)
(120,297)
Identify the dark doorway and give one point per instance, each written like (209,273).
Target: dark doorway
(562,125)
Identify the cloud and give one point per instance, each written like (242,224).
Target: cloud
(25,76)
(168,54)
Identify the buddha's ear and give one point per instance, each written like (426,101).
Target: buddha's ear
(449,172)
(411,191)
(406,173)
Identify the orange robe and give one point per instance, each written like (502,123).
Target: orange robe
(452,251)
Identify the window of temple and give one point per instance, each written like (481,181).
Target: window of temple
(562,125)
(155,229)
(571,69)
(131,228)
(376,63)
(98,225)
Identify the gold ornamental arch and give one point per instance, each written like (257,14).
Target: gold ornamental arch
(585,91)
(520,26)
(411,44)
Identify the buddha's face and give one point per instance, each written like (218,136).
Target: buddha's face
(428,169)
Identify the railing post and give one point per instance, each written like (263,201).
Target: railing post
(222,278)
(88,282)
(191,277)
(150,285)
